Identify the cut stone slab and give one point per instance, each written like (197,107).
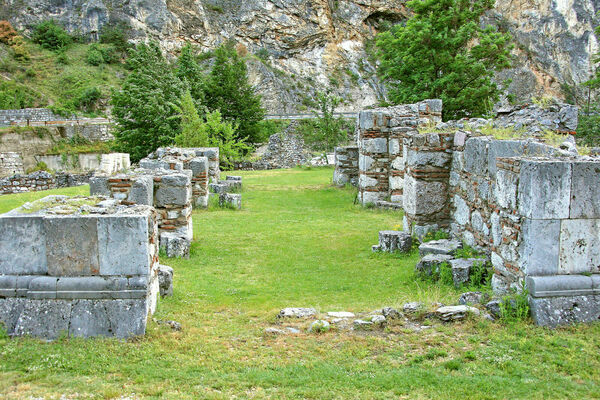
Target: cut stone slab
(455,313)
(362,324)
(175,245)
(72,245)
(471,298)
(46,319)
(340,314)
(494,308)
(10,310)
(555,311)
(22,245)
(412,307)
(391,241)
(443,246)
(165,280)
(431,263)
(123,245)
(88,319)
(461,269)
(230,200)
(391,313)
(297,312)
(319,326)
(378,319)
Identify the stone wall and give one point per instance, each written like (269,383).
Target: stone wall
(103,163)
(78,266)
(168,191)
(346,166)
(11,163)
(41,180)
(11,117)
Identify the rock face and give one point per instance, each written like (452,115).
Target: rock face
(309,45)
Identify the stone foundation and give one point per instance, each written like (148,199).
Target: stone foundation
(11,163)
(346,166)
(42,180)
(78,267)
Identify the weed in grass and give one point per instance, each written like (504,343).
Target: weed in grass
(435,235)
(515,307)
(453,365)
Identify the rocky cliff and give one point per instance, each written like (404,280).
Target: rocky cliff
(297,47)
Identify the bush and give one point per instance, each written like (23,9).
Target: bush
(94,55)
(50,35)
(117,35)
(87,99)
(15,96)
(588,130)
(7,33)
(515,307)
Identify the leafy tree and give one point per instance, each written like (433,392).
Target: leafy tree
(443,52)
(190,72)
(50,35)
(210,131)
(227,89)
(328,131)
(143,106)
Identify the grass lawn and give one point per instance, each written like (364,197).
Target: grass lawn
(298,242)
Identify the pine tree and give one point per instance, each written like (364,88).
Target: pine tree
(189,71)
(143,106)
(443,52)
(227,89)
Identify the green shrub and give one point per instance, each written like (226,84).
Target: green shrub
(40,166)
(117,35)
(16,96)
(87,99)
(62,58)
(435,235)
(94,55)
(588,130)
(50,35)
(515,307)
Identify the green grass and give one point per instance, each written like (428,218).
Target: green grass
(300,242)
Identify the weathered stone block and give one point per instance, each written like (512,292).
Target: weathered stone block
(443,246)
(476,155)
(431,263)
(585,190)
(46,319)
(391,241)
(230,200)
(72,245)
(199,166)
(376,146)
(579,246)
(99,186)
(462,212)
(167,194)
(428,158)
(503,148)
(22,245)
(175,245)
(545,189)
(165,280)
(506,189)
(123,245)
(424,197)
(142,191)
(10,310)
(539,250)
(555,311)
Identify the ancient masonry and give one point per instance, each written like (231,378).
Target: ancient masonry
(346,166)
(78,266)
(11,163)
(42,180)
(534,209)
(168,191)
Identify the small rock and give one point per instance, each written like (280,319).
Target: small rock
(340,314)
(391,313)
(361,324)
(319,326)
(494,308)
(378,319)
(431,263)
(165,280)
(274,331)
(455,313)
(375,248)
(297,312)
(176,326)
(292,330)
(392,241)
(471,298)
(412,307)
(443,246)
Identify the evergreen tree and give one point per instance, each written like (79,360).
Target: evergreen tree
(443,52)
(143,107)
(227,89)
(190,72)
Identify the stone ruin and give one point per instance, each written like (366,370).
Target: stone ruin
(534,209)
(79,266)
(346,166)
(169,191)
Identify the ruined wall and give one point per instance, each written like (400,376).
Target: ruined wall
(346,166)
(10,117)
(78,266)
(103,163)
(41,180)
(11,163)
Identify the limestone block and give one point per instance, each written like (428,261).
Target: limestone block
(365,162)
(177,180)
(127,317)
(443,246)
(396,198)
(89,319)
(579,246)
(496,229)
(396,183)
(391,241)
(585,192)
(365,181)
(10,310)
(371,197)
(230,200)
(22,245)
(431,263)
(376,146)
(428,158)
(539,249)
(394,147)
(165,280)
(46,319)
(478,223)
(171,195)
(99,186)
(72,245)
(503,148)
(461,269)
(424,197)
(462,212)
(544,189)
(201,201)
(506,189)
(561,285)
(123,245)
(142,191)
(476,155)
(199,166)
(460,137)
(175,245)
(218,187)
(366,119)
(397,163)
(555,311)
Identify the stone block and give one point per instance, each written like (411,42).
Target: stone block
(424,197)
(431,263)
(233,178)
(560,285)
(199,166)
(10,310)
(218,188)
(123,245)
(539,249)
(585,190)
(375,146)
(544,189)
(421,159)
(142,191)
(461,269)
(175,245)
(503,148)
(168,195)
(392,241)
(22,245)
(47,319)
(89,319)
(99,186)
(165,280)
(506,189)
(443,246)
(579,246)
(476,155)
(462,212)
(396,183)
(127,318)
(555,311)
(230,200)
(371,197)
(72,245)
(178,180)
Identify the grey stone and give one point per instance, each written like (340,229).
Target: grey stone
(123,245)
(420,159)
(22,245)
(585,190)
(72,245)
(8,286)
(179,180)
(443,246)
(462,211)
(476,155)
(377,145)
(471,298)
(142,191)
(127,317)
(539,249)
(175,245)
(174,325)
(165,280)
(431,263)
(218,188)
(545,189)
(579,246)
(391,313)
(99,186)
(555,311)
(392,241)
(233,178)
(199,166)
(362,324)
(340,314)
(168,195)
(89,319)
(561,286)
(378,319)
(424,197)
(503,148)
(461,269)
(292,312)
(274,331)
(10,310)
(230,200)
(455,313)
(319,326)
(47,319)
(412,307)
(494,308)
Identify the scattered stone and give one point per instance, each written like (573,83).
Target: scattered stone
(461,268)
(392,241)
(274,331)
(340,314)
(230,200)
(292,330)
(375,248)
(443,246)
(471,298)
(378,319)
(319,326)
(297,312)
(413,307)
(391,313)
(174,325)
(494,308)
(430,264)
(455,313)
(362,324)
(165,280)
